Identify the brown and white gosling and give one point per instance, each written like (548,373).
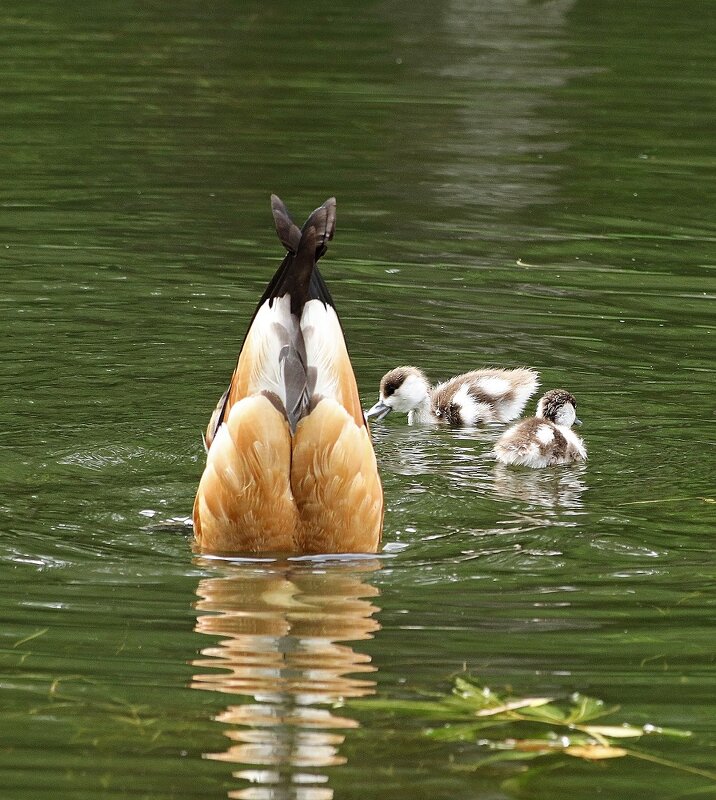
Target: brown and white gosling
(480,396)
(545,439)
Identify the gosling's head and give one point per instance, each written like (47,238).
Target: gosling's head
(401,389)
(560,407)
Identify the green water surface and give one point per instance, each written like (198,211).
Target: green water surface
(518,183)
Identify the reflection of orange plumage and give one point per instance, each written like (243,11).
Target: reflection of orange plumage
(290,464)
(282,646)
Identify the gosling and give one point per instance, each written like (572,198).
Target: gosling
(480,396)
(546,439)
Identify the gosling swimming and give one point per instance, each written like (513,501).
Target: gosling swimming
(545,439)
(480,396)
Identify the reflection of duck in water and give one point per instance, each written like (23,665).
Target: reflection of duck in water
(481,396)
(290,465)
(283,632)
(545,439)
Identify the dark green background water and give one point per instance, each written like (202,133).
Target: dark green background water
(518,183)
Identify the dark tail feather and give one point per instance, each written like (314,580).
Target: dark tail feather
(323,219)
(288,232)
(297,280)
(302,280)
(319,290)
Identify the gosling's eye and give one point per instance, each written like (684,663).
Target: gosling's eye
(389,389)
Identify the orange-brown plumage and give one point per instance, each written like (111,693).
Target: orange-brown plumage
(290,464)
(335,483)
(247,461)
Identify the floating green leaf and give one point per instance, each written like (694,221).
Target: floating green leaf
(506,728)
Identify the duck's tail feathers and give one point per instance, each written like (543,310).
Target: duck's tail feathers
(323,219)
(297,274)
(296,280)
(288,232)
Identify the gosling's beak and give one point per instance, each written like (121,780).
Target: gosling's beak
(577,421)
(380,410)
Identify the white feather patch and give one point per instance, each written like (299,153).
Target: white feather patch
(566,415)
(493,385)
(411,393)
(468,406)
(325,347)
(273,325)
(574,441)
(544,434)
(472,411)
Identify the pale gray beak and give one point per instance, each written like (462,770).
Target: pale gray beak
(380,410)
(577,421)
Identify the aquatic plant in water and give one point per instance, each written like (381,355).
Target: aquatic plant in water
(518,729)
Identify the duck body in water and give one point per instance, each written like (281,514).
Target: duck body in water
(290,465)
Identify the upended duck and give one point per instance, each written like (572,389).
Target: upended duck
(290,465)
(547,438)
(474,398)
